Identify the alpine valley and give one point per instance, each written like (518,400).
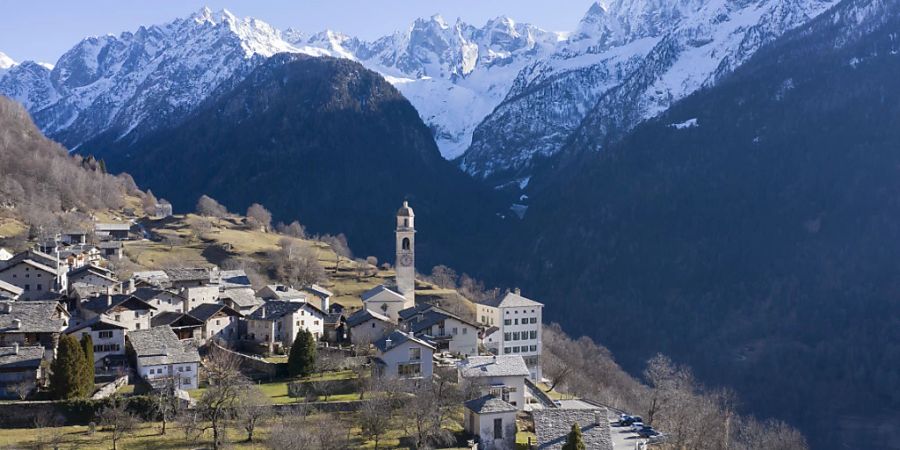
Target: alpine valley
(710,179)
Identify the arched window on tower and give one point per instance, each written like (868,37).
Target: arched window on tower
(406,223)
(405,244)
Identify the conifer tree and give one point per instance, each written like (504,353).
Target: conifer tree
(67,372)
(302,359)
(574,441)
(87,346)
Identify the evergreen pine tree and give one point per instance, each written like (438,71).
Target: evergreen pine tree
(302,358)
(67,372)
(87,346)
(574,441)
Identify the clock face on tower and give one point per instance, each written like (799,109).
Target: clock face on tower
(406,260)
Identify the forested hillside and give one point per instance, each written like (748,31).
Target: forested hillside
(321,140)
(45,188)
(750,232)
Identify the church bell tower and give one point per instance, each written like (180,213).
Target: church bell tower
(406,254)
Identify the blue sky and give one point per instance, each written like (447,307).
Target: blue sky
(42,30)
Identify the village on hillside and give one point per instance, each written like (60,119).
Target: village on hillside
(201,344)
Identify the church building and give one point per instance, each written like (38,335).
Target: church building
(389,300)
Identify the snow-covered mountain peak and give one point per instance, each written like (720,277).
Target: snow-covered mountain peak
(6,62)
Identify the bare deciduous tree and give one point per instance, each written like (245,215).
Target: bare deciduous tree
(118,420)
(221,398)
(444,277)
(259,216)
(207,206)
(254,407)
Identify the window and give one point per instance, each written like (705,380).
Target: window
(105,334)
(465,330)
(534,348)
(415,354)
(515,349)
(498,428)
(507,336)
(27,287)
(118,318)
(405,244)
(532,334)
(409,370)
(137,326)
(40,287)
(187,369)
(315,322)
(516,322)
(507,350)
(507,322)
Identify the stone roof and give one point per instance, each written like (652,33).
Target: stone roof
(430,316)
(280,292)
(187,274)
(17,357)
(405,210)
(552,426)
(489,405)
(379,289)
(160,345)
(34,255)
(151,276)
(275,309)
(31,263)
(242,297)
(515,300)
(95,270)
(11,288)
(103,303)
(171,318)
(493,366)
(319,290)
(396,338)
(233,278)
(34,317)
(97,323)
(364,315)
(112,227)
(150,293)
(333,319)
(205,311)
(106,245)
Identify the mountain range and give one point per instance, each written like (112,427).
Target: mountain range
(499,99)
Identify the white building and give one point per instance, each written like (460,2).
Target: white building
(405,264)
(128,310)
(219,321)
(519,320)
(385,301)
(501,376)
(108,336)
(279,321)
(493,423)
(402,355)
(366,327)
(36,279)
(160,355)
(5,254)
(446,330)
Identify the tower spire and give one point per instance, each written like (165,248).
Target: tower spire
(406,253)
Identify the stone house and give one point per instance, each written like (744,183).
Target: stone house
(366,326)
(278,322)
(446,330)
(492,422)
(219,321)
(159,355)
(552,426)
(501,376)
(107,335)
(402,355)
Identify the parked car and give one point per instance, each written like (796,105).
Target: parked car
(659,438)
(647,432)
(627,421)
(637,426)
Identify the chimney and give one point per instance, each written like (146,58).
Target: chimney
(16,348)
(108,299)
(262,312)
(517,291)
(387,343)
(600,418)
(130,285)
(16,324)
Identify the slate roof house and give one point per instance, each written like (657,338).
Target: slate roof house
(19,364)
(107,335)
(366,326)
(501,376)
(385,300)
(159,354)
(402,355)
(32,323)
(113,231)
(492,422)
(219,321)
(185,326)
(126,309)
(9,291)
(37,280)
(520,322)
(552,426)
(447,330)
(278,322)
